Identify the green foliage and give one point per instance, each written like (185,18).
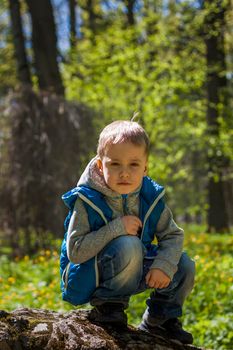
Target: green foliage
(7,61)
(31,282)
(158,68)
(207,312)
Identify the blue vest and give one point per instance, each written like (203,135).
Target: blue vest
(79,281)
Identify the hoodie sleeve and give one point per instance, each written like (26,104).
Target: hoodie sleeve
(83,244)
(170,242)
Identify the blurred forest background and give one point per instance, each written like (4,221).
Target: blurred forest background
(67,68)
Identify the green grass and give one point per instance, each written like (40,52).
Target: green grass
(208,312)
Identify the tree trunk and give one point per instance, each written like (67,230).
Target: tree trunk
(44,43)
(24,75)
(216,84)
(44,130)
(91,16)
(130,12)
(35,329)
(73,32)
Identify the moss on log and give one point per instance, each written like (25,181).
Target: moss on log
(37,329)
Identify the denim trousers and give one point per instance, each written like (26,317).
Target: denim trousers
(122,270)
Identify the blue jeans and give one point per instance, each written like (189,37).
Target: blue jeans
(122,271)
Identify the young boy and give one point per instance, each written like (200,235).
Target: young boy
(108,254)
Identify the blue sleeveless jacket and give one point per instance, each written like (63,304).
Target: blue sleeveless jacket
(79,281)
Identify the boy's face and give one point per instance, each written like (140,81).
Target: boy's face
(123,166)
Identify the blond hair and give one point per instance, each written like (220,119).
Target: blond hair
(122,131)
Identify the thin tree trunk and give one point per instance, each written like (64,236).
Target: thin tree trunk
(73,32)
(91,16)
(130,11)
(44,43)
(216,93)
(23,71)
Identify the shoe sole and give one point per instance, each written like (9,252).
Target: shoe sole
(158,331)
(110,324)
(107,322)
(163,333)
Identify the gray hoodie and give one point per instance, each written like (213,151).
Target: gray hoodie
(83,244)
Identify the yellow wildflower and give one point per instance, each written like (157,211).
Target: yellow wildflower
(41,258)
(11,280)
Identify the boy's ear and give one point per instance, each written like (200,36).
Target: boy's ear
(146,169)
(99,165)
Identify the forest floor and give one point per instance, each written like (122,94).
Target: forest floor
(35,282)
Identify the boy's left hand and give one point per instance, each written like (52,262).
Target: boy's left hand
(157,279)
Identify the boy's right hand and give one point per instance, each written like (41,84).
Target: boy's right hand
(132,224)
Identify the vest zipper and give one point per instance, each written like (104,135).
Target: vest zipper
(124,204)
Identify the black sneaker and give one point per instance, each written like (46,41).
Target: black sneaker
(175,331)
(155,330)
(109,313)
(171,329)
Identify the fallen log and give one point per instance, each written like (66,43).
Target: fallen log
(38,329)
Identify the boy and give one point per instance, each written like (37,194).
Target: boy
(116,211)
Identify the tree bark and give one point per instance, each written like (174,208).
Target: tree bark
(216,84)
(73,32)
(23,70)
(45,129)
(35,329)
(91,17)
(44,43)
(130,11)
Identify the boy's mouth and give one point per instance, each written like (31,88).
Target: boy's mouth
(124,183)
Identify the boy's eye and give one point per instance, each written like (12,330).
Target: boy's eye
(134,164)
(114,163)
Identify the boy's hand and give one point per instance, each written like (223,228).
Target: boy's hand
(157,279)
(132,224)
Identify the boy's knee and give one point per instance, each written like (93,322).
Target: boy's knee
(132,258)
(130,248)
(133,246)
(124,251)
(187,266)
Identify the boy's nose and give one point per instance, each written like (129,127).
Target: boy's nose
(124,173)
